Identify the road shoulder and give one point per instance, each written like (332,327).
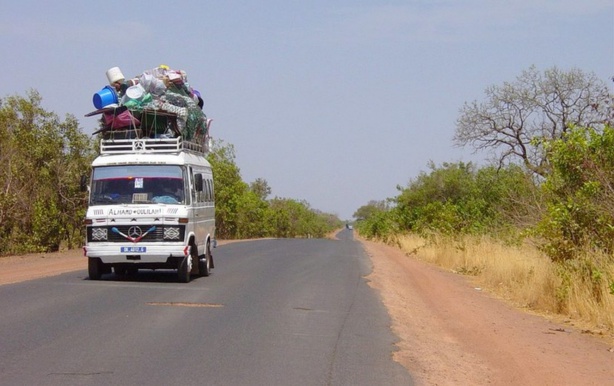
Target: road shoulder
(453,333)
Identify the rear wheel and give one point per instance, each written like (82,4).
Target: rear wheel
(204,262)
(94,268)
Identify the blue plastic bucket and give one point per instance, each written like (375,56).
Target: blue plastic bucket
(105,97)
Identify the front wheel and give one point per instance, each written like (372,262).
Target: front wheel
(184,269)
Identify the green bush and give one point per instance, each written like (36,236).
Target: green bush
(461,199)
(579,194)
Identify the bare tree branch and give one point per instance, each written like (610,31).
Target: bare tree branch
(517,119)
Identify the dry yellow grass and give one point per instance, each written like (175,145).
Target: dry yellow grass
(524,277)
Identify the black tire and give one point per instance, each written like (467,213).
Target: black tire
(204,262)
(94,268)
(183,271)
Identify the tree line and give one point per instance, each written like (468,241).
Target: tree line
(42,157)
(245,210)
(42,207)
(549,178)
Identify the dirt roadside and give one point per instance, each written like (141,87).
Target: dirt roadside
(450,333)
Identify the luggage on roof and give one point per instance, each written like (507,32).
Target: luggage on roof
(158,103)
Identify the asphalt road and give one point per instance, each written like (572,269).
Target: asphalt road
(274,312)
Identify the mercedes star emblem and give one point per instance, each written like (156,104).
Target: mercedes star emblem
(135,232)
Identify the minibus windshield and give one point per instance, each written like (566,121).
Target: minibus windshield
(137,184)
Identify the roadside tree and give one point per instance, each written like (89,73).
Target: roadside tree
(372,208)
(229,188)
(518,118)
(43,157)
(261,188)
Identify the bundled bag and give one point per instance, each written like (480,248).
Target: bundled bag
(120,118)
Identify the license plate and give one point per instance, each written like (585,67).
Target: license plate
(133,249)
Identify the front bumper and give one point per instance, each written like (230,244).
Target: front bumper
(111,253)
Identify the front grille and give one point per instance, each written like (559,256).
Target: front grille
(172,232)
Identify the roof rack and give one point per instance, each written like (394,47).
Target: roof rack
(149,145)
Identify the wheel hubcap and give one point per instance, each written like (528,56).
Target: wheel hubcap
(189,263)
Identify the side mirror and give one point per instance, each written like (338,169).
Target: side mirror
(198,182)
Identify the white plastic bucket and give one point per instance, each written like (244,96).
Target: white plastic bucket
(135,92)
(115,75)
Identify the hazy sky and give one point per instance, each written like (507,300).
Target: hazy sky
(332,102)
